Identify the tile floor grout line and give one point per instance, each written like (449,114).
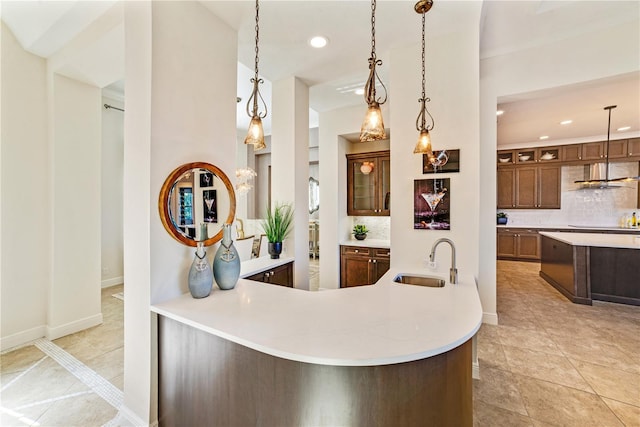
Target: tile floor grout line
(7,385)
(53,399)
(103,388)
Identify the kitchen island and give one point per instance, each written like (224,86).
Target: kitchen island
(387,354)
(588,266)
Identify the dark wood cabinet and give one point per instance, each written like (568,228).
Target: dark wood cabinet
(369,184)
(529,187)
(617,149)
(633,148)
(518,244)
(281,275)
(362,266)
(593,151)
(571,153)
(506,188)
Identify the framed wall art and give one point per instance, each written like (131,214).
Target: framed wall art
(431,204)
(447,161)
(210,206)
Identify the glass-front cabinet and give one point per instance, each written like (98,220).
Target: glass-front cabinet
(369,184)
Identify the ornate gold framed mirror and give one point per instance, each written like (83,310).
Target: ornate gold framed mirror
(195,201)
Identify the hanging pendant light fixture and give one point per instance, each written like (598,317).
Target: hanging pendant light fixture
(373,125)
(424,140)
(255,135)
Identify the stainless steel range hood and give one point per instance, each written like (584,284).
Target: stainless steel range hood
(597,174)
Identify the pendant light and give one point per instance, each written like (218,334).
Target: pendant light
(255,135)
(373,125)
(424,140)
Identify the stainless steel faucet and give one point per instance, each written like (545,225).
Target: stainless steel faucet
(453,271)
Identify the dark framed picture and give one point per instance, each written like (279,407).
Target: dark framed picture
(431,204)
(206,179)
(452,164)
(210,206)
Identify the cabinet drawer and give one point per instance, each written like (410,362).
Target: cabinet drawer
(381,253)
(355,250)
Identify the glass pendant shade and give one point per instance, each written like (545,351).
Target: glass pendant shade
(255,135)
(373,126)
(424,144)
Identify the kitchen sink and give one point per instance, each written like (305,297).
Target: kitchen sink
(416,280)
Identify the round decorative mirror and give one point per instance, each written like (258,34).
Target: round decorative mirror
(196,200)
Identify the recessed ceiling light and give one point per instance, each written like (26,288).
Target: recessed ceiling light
(622,129)
(566,122)
(359,91)
(318,42)
(544,137)
(499,112)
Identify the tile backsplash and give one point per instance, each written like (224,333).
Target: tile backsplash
(594,207)
(379,226)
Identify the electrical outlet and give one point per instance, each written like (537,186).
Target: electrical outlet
(433,265)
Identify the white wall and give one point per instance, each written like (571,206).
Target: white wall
(74,296)
(175,114)
(453,86)
(111,218)
(25,196)
(593,56)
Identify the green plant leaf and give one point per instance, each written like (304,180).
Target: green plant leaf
(278,223)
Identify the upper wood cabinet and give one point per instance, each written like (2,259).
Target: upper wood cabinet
(369,184)
(531,187)
(617,149)
(593,151)
(633,147)
(571,153)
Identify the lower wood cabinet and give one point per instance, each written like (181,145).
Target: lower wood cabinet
(281,275)
(362,266)
(518,244)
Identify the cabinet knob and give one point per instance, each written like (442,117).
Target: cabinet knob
(374,261)
(356,251)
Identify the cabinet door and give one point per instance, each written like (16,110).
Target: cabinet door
(380,266)
(282,275)
(593,151)
(633,147)
(618,149)
(549,182)
(361,188)
(528,245)
(354,271)
(384,185)
(571,153)
(526,187)
(263,276)
(506,244)
(506,188)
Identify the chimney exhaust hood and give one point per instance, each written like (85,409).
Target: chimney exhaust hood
(597,174)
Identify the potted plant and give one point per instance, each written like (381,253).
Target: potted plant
(277,227)
(360,231)
(502,218)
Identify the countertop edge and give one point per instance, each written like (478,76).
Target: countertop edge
(469,305)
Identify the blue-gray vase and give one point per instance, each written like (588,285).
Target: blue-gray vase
(200,274)
(226,263)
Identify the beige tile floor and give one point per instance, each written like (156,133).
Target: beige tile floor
(554,363)
(41,385)
(548,363)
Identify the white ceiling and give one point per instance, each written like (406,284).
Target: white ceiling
(48,28)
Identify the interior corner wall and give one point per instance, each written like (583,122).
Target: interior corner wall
(180,66)
(112,268)
(74,296)
(25,199)
(335,226)
(600,54)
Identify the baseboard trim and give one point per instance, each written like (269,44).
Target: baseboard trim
(21,338)
(128,418)
(490,318)
(475,370)
(73,327)
(107,283)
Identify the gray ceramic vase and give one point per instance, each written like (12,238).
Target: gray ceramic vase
(200,274)
(226,263)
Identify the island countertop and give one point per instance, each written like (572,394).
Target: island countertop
(625,241)
(380,324)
